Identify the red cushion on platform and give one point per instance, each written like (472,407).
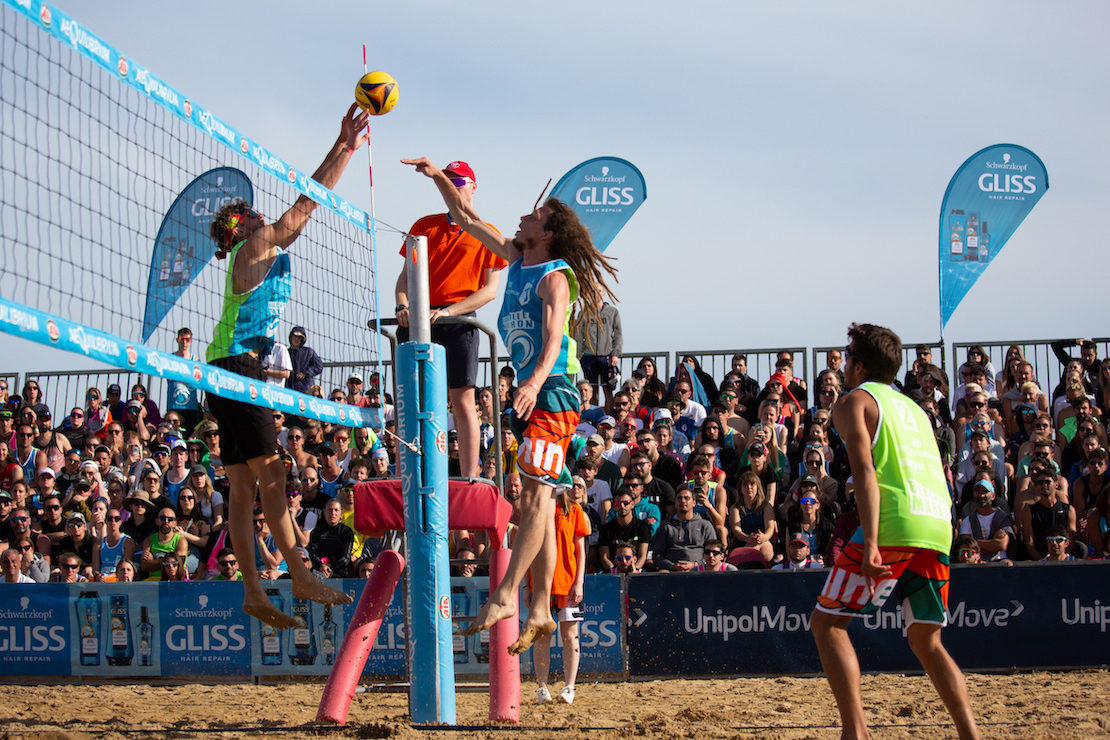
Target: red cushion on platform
(471,505)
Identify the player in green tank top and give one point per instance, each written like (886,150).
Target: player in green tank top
(905,532)
(250,449)
(545,401)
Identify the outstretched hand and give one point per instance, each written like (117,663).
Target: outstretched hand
(353,128)
(423,165)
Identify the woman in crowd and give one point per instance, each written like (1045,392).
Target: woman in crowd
(1006,380)
(193,526)
(805,518)
(209,501)
(775,456)
(98,513)
(654,390)
(976,354)
(173,569)
(96,416)
(112,548)
(10,470)
(751,521)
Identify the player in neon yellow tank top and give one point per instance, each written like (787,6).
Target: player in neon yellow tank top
(550,244)
(257,288)
(904,536)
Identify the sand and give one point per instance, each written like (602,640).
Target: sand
(1042,705)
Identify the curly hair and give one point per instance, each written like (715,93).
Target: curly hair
(223,225)
(571,242)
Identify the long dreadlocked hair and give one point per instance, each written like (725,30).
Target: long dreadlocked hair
(570,241)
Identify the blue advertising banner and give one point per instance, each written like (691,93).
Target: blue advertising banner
(986,200)
(183,245)
(37,637)
(599,633)
(1036,615)
(604,192)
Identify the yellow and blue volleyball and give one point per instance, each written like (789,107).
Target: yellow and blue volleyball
(377,93)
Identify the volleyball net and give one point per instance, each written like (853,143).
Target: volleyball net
(109,181)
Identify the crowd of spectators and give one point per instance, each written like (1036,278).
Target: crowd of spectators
(688,473)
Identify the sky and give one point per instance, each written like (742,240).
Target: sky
(795,153)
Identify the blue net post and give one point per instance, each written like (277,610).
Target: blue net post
(421,419)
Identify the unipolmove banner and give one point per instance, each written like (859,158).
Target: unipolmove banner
(604,192)
(986,200)
(184,245)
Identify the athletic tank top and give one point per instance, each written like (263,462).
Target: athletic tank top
(28,466)
(164,548)
(915,508)
(521,319)
(110,556)
(249,320)
(171,489)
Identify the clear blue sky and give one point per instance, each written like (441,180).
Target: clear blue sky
(795,153)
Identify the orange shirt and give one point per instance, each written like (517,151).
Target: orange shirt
(456,260)
(568,528)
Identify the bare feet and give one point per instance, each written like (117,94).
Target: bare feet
(313,589)
(529,633)
(260,607)
(489,615)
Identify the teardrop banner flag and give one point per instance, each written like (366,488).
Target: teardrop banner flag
(987,199)
(604,192)
(184,245)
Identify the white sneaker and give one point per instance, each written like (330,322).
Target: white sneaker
(543,696)
(567,694)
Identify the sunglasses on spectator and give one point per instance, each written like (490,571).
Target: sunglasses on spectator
(623,558)
(26,548)
(116,518)
(21,519)
(808,500)
(53,507)
(164,518)
(226,563)
(967,552)
(1057,539)
(712,553)
(976,404)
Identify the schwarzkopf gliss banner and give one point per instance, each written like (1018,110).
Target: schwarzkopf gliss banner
(987,199)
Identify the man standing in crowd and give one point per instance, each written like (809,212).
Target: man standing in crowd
(904,536)
(462,277)
(182,397)
(601,343)
(306,363)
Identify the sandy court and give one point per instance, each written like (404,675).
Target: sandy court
(1040,705)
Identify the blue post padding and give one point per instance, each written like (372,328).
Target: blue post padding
(422,415)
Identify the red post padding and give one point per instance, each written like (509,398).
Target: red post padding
(361,633)
(504,669)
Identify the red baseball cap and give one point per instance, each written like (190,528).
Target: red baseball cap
(462,169)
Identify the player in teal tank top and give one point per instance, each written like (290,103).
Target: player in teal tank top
(259,283)
(905,532)
(553,264)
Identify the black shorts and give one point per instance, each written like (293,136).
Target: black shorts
(461,343)
(246,431)
(595,368)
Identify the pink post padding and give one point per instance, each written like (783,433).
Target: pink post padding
(361,633)
(504,669)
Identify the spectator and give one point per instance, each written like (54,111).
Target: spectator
(364,567)
(167,539)
(600,341)
(112,547)
(710,499)
(924,357)
(751,521)
(125,571)
(307,365)
(173,568)
(74,429)
(228,565)
(11,568)
(932,383)
(69,569)
(713,558)
(571,530)
(97,416)
(1007,378)
(625,558)
(624,527)
(208,499)
(757,461)
(607,471)
(53,524)
(331,542)
(1042,514)
(34,564)
(294,443)
(671,441)
(1057,539)
(746,387)
(30,458)
(379,464)
(611,450)
(805,520)
(277,365)
(194,527)
(654,389)
(967,550)
(32,393)
(642,509)
(1088,359)
(7,428)
(798,554)
(679,541)
(991,528)
(77,538)
(182,398)
(728,415)
(598,494)
(1098,525)
(678,403)
(657,491)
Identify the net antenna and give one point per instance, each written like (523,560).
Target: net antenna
(374,258)
(542,193)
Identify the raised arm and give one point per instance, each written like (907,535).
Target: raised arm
(463,213)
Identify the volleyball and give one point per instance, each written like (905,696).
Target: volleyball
(377,93)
